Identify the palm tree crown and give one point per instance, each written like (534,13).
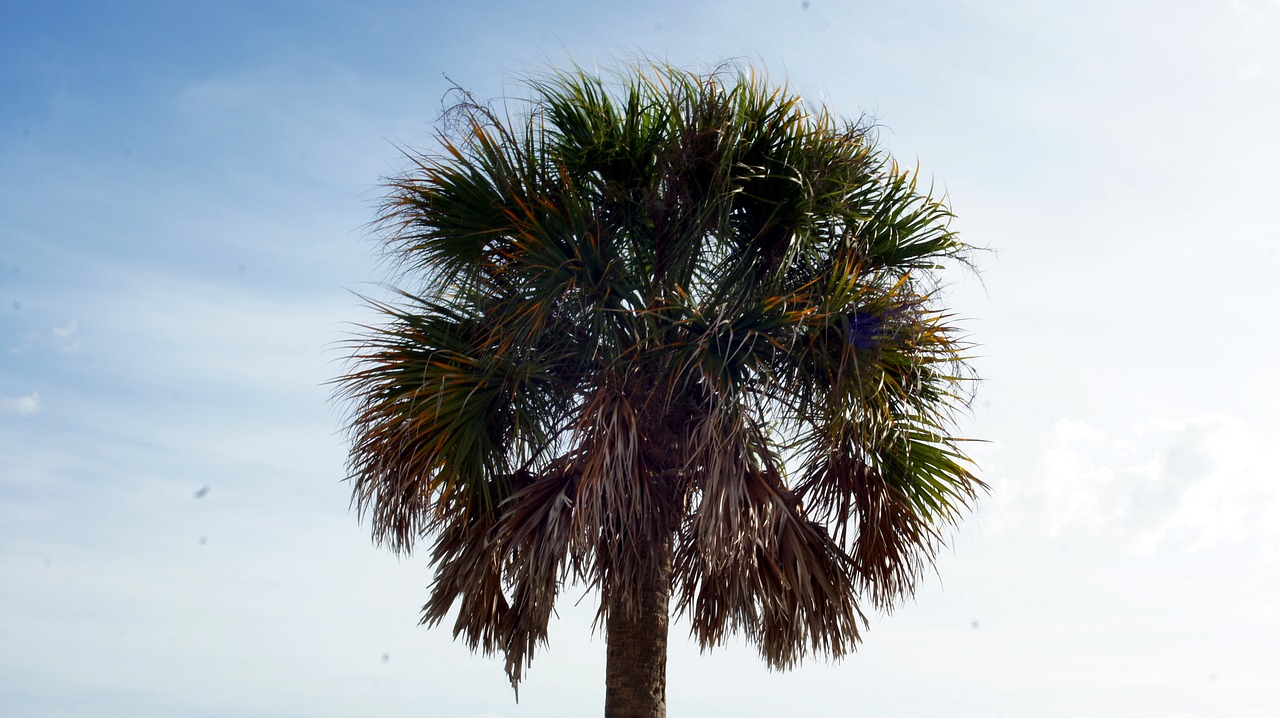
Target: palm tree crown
(672,322)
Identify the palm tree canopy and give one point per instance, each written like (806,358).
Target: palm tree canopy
(667,306)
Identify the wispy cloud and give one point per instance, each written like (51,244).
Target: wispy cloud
(20,405)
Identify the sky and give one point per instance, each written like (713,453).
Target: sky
(185,190)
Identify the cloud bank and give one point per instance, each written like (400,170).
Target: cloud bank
(1190,484)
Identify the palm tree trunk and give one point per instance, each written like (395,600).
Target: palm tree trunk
(636,664)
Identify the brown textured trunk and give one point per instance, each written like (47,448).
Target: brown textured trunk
(635,674)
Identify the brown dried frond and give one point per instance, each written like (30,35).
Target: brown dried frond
(536,531)
(890,544)
(750,561)
(468,558)
(624,508)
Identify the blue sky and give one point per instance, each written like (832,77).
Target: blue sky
(184,189)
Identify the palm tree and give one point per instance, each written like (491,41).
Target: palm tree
(673,335)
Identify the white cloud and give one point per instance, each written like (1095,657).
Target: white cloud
(20,405)
(1251,71)
(64,332)
(1193,483)
(1253,7)
(64,337)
